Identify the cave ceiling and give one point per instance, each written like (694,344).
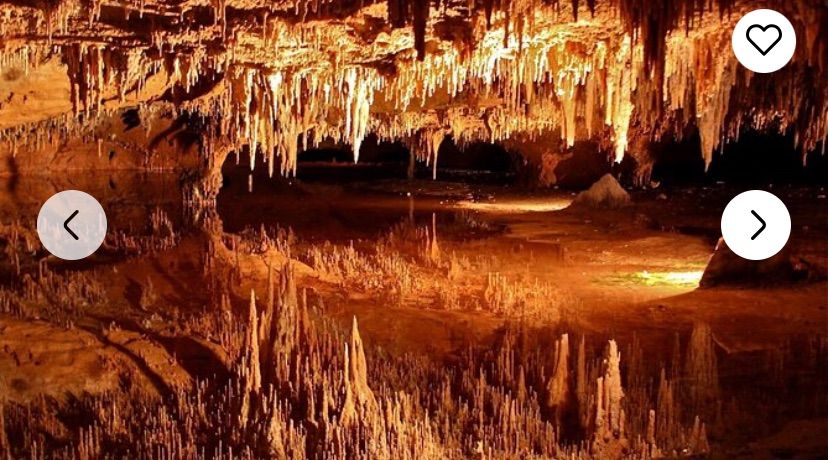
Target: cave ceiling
(273,78)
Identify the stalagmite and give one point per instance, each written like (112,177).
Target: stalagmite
(311,400)
(558,386)
(251,371)
(359,403)
(581,390)
(701,370)
(613,393)
(610,437)
(5,447)
(667,415)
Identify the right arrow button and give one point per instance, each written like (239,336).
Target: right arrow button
(746,218)
(756,215)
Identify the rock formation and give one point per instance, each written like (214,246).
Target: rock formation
(607,193)
(726,268)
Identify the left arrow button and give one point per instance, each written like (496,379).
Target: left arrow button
(64,218)
(66,224)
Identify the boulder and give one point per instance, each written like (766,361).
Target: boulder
(727,268)
(606,193)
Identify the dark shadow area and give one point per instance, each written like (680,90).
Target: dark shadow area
(755,159)
(316,204)
(198,360)
(372,150)
(331,162)
(477,162)
(678,161)
(758,158)
(340,202)
(583,164)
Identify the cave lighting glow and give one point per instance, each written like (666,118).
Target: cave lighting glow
(688,278)
(518,206)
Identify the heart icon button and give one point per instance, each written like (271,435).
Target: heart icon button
(764,38)
(770,33)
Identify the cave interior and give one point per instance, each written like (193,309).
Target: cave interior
(410,229)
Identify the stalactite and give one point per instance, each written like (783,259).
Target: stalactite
(296,78)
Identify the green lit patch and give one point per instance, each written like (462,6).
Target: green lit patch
(648,278)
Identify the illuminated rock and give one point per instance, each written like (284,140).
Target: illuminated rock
(726,268)
(606,193)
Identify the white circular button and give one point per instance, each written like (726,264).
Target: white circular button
(71,224)
(763,41)
(756,225)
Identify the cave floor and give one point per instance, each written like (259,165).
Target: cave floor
(449,271)
(618,270)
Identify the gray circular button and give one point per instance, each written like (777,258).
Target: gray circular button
(71,224)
